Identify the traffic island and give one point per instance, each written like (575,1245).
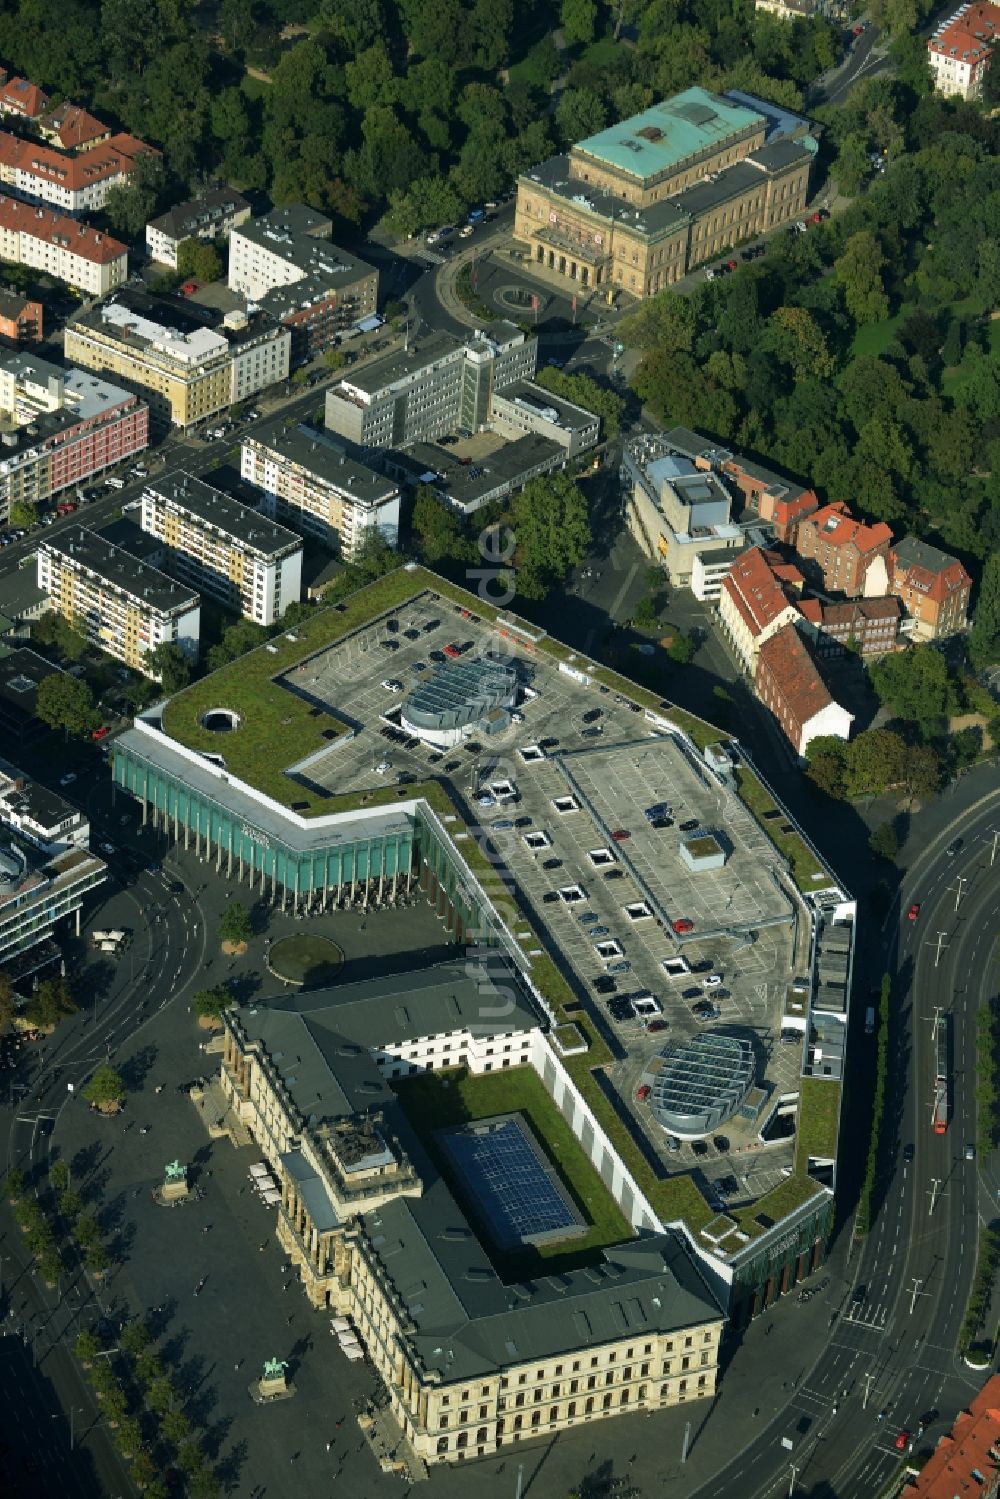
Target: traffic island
(308,962)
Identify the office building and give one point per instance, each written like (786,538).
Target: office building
(780,502)
(62,247)
(223,548)
(437,385)
(212,215)
(39,890)
(310,479)
(125,607)
(21,673)
(42,817)
(637,205)
(961,50)
(284,262)
(675,508)
(190,363)
(932,586)
(524,407)
(59,427)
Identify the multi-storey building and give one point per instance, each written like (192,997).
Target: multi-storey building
(781,502)
(61,247)
(212,215)
(72,129)
(525,407)
(41,816)
(190,367)
(309,478)
(22,671)
(933,588)
(285,263)
(126,607)
(38,890)
(637,205)
(675,507)
(961,50)
(848,555)
(223,547)
(73,183)
(59,427)
(789,684)
(20,97)
(433,387)
(758,598)
(966,1459)
(20,318)
(471,1366)
(868,626)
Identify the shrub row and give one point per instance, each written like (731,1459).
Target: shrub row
(863,1218)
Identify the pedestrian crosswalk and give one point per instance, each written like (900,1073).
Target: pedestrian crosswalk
(431,256)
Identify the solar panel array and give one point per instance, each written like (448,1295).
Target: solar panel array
(509,1183)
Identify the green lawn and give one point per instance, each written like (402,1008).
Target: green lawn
(874,338)
(436,1100)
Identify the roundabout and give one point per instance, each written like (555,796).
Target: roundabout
(306,961)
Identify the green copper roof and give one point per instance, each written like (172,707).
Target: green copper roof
(665,134)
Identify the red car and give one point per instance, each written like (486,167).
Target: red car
(452,650)
(642,1093)
(914,911)
(683,924)
(101,733)
(902,1440)
(732,265)
(621,835)
(190,287)
(66,508)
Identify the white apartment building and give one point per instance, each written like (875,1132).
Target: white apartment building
(61,247)
(123,605)
(961,50)
(212,215)
(223,547)
(43,817)
(308,478)
(70,182)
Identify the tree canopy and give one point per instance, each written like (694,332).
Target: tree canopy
(64,702)
(105,1089)
(552,532)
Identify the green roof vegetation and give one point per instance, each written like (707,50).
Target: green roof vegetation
(818,1119)
(434,1101)
(807,872)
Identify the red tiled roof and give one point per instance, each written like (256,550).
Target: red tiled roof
(936,574)
(812,610)
(752,584)
(73,126)
(21,97)
(57,229)
(970,35)
(837,526)
(965,1453)
(71,171)
(789,668)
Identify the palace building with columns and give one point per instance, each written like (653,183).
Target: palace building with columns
(636,206)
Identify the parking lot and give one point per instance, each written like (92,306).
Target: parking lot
(561,794)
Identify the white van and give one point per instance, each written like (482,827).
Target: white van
(114,483)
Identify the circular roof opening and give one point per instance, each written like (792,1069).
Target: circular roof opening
(220,720)
(701,1083)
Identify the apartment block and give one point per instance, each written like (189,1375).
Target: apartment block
(311,480)
(72,129)
(435,386)
(868,626)
(637,205)
(961,50)
(212,215)
(966,1460)
(790,686)
(21,319)
(124,606)
(86,258)
(223,548)
(59,427)
(759,596)
(284,262)
(190,363)
(69,181)
(675,508)
(933,588)
(848,555)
